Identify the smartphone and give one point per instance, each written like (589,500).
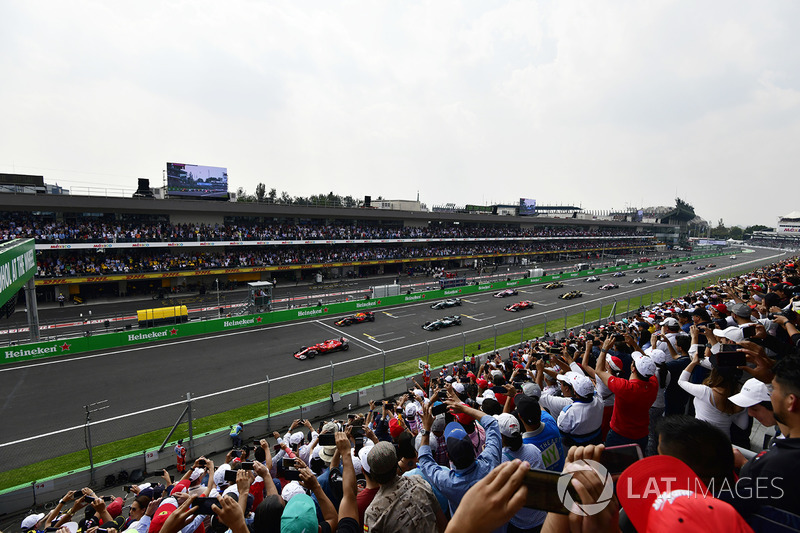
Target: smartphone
(291,474)
(351,417)
(327,439)
(554,349)
(618,458)
(389,406)
(379,403)
(108,498)
(202,462)
(438,409)
(728,348)
(442,395)
(126,488)
(726,359)
(543,491)
(356,432)
(230,476)
(246,465)
(749,332)
(204,505)
(257,443)
(288,462)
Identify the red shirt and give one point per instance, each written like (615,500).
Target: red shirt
(632,402)
(363,499)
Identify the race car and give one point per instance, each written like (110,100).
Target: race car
(678,265)
(444,304)
(446,322)
(681,271)
(699,267)
(691,262)
(711,265)
(554,285)
(333,345)
(366,316)
(660,267)
(570,295)
(618,275)
(642,271)
(609,286)
(592,279)
(505,292)
(663,275)
(519,306)
(638,281)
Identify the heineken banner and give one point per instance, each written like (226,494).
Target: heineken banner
(17,266)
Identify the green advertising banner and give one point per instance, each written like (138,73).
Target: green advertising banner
(17,266)
(134,337)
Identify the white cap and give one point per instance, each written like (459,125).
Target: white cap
(659,357)
(293,488)
(31,520)
(509,425)
(611,363)
(433,442)
(489,393)
(582,385)
(296,438)
(566,377)
(356,462)
(419,393)
(753,392)
(458,387)
(219,475)
(71,526)
(362,456)
(732,333)
(645,366)
(411,410)
(669,322)
(197,473)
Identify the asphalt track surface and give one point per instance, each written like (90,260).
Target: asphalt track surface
(46,396)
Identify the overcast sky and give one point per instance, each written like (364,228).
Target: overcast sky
(603,104)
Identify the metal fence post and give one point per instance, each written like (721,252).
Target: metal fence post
(565,322)
(521,332)
(269,410)
(545,324)
(428,354)
(614,310)
(584,315)
(495,336)
(384,369)
(331,379)
(464,348)
(189,418)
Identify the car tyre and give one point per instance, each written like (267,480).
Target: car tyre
(311,354)
(345,347)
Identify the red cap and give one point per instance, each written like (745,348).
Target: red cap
(395,429)
(661,493)
(181,486)
(721,308)
(482,383)
(162,513)
(115,508)
(463,418)
(470,375)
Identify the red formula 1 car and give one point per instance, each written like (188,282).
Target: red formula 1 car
(519,306)
(366,316)
(309,352)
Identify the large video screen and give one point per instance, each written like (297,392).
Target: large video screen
(527,206)
(197,181)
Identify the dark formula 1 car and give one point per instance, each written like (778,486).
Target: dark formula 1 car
(591,279)
(554,285)
(366,316)
(445,322)
(609,286)
(663,275)
(638,281)
(661,267)
(333,345)
(506,292)
(681,271)
(570,295)
(642,271)
(711,265)
(699,267)
(519,306)
(444,304)
(618,275)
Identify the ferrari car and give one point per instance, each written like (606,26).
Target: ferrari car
(642,271)
(519,306)
(711,265)
(663,275)
(678,265)
(366,316)
(618,275)
(570,295)
(638,281)
(699,267)
(681,271)
(592,279)
(444,304)
(609,286)
(333,345)
(506,292)
(554,285)
(660,267)
(445,322)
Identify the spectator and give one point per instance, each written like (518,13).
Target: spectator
(542,431)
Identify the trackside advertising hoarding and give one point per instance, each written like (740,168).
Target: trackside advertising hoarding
(17,266)
(137,337)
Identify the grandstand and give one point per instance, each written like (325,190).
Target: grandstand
(786,235)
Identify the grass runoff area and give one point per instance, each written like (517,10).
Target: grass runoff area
(221,422)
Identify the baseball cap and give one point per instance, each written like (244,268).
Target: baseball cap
(459,445)
(732,333)
(362,456)
(568,378)
(299,515)
(614,362)
(528,409)
(166,508)
(411,410)
(532,390)
(115,507)
(582,385)
(197,473)
(645,366)
(482,383)
(292,489)
(296,438)
(753,392)
(741,310)
(31,520)
(330,427)
(219,475)
(438,423)
(721,308)
(661,493)
(458,387)
(669,322)
(509,425)
(395,428)
(382,458)
(659,357)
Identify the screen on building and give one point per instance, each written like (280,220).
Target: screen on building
(197,181)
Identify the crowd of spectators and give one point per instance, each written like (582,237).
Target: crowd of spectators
(661,403)
(73,262)
(16,225)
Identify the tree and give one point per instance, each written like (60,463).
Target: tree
(757,227)
(285,198)
(736,233)
(261,189)
(272,194)
(720,232)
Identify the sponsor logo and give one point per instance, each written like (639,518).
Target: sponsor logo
(366,304)
(147,336)
(12,354)
(140,245)
(243,322)
(415,297)
(484,287)
(310,312)
(452,291)
(512,283)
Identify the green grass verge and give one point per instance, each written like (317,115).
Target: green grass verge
(213,423)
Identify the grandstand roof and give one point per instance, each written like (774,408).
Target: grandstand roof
(794,215)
